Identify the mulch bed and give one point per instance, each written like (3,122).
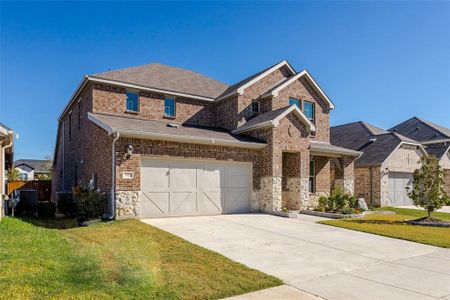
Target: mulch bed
(429,222)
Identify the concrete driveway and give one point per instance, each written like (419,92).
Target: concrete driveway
(328,262)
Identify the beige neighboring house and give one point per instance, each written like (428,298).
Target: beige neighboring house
(6,158)
(385,170)
(435,139)
(33,169)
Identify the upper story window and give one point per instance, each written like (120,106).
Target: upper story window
(70,125)
(308,109)
(169,107)
(256,107)
(132,101)
(293,101)
(79,114)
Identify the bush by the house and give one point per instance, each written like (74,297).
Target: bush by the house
(89,203)
(46,209)
(339,202)
(67,204)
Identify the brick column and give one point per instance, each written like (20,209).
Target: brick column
(271,177)
(348,174)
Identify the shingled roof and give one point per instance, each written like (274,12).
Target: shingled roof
(375,143)
(437,150)
(421,130)
(38,165)
(161,130)
(167,78)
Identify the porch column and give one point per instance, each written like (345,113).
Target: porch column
(305,202)
(271,177)
(291,180)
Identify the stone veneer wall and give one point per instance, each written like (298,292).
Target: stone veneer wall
(271,194)
(127,204)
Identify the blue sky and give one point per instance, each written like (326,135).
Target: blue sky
(381,62)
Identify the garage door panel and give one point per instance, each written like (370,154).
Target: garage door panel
(176,187)
(236,181)
(210,202)
(236,201)
(397,183)
(154,204)
(183,203)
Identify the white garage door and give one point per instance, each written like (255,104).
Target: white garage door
(182,187)
(397,188)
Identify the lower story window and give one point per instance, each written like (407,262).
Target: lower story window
(312,176)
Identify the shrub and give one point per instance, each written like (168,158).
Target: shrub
(347,211)
(46,209)
(67,204)
(338,202)
(89,203)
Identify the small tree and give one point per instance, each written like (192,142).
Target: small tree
(428,185)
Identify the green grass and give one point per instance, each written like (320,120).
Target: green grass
(118,260)
(394,226)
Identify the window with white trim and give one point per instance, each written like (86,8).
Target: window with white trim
(309,110)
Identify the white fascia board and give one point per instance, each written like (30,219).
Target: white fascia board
(398,147)
(96,121)
(275,91)
(436,142)
(299,114)
(144,88)
(253,127)
(188,139)
(241,89)
(276,121)
(75,94)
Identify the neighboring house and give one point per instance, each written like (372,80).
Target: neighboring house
(31,169)
(384,171)
(434,138)
(164,141)
(6,158)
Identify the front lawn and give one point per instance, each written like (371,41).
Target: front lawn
(393,226)
(118,260)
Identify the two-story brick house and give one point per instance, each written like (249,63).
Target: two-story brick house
(164,141)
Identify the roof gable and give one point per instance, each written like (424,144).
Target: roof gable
(303,74)
(375,143)
(273,118)
(421,130)
(239,87)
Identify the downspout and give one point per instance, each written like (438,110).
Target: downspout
(112,204)
(371,185)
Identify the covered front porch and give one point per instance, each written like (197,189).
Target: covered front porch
(326,168)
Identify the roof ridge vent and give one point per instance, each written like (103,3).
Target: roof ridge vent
(173,125)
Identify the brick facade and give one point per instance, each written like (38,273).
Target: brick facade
(280,170)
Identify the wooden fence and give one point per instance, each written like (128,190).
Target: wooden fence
(43,188)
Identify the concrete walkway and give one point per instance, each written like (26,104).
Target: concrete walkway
(324,261)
